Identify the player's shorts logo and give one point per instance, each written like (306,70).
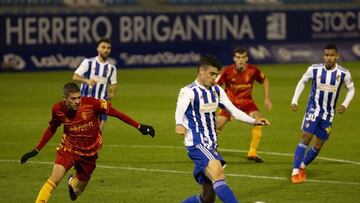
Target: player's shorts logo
(307,125)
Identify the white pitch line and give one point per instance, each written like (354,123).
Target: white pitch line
(189,173)
(221,150)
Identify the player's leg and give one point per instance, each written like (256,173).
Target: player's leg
(215,172)
(207,195)
(298,173)
(57,174)
(222,118)
(84,167)
(321,135)
(256,134)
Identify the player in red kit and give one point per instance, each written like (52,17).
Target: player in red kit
(238,79)
(81,140)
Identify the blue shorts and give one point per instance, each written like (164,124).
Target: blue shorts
(103,117)
(317,126)
(201,157)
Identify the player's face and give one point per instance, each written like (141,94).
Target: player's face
(330,57)
(72,101)
(208,75)
(104,50)
(240,60)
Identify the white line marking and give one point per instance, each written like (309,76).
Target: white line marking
(221,150)
(189,173)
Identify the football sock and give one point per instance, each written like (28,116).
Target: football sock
(45,192)
(310,155)
(193,199)
(224,192)
(256,134)
(299,155)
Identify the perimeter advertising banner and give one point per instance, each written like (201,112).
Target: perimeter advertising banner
(52,42)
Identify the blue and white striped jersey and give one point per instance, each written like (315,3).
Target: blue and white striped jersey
(103,73)
(325,90)
(196,111)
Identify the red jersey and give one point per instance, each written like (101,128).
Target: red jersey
(239,85)
(81,134)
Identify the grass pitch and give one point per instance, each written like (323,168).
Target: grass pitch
(134,168)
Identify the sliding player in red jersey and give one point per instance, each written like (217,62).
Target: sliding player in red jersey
(81,140)
(238,79)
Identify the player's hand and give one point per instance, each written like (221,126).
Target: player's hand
(180,130)
(294,107)
(147,130)
(268,104)
(341,109)
(28,155)
(91,82)
(262,121)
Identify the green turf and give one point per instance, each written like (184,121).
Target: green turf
(134,168)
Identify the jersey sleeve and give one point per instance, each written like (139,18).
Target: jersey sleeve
(348,81)
(183,101)
(83,68)
(259,76)
(113,75)
(301,85)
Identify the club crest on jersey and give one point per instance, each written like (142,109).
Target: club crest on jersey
(328,130)
(338,78)
(84,115)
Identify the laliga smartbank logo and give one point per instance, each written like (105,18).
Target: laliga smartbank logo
(12,62)
(276,26)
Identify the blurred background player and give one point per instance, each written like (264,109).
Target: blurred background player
(327,79)
(195,120)
(238,79)
(81,140)
(97,76)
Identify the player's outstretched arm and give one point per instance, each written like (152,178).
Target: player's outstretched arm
(47,135)
(144,129)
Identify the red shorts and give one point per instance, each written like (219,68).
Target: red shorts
(248,108)
(84,165)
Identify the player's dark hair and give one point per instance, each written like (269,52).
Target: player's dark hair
(106,40)
(331,46)
(240,50)
(70,87)
(209,60)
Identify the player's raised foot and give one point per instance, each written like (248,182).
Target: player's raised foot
(72,194)
(256,158)
(302,173)
(297,179)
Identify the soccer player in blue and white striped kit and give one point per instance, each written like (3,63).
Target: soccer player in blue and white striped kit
(98,76)
(196,120)
(327,80)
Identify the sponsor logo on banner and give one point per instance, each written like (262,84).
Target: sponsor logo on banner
(356,49)
(12,62)
(160,58)
(276,26)
(335,25)
(259,53)
(294,53)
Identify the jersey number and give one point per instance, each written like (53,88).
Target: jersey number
(310,117)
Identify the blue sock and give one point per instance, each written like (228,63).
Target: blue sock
(299,154)
(310,155)
(193,199)
(224,192)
